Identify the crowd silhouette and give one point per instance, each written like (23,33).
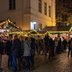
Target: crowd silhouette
(18,52)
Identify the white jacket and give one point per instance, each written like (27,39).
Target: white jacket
(27,48)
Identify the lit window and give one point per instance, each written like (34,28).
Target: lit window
(12,4)
(40,6)
(45,8)
(33,25)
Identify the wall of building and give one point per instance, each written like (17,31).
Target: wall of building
(27,11)
(13,15)
(26,14)
(3,9)
(53,12)
(40,17)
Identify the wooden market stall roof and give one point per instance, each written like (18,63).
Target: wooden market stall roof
(58,29)
(8,24)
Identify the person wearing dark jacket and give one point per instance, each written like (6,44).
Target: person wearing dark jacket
(51,48)
(4,51)
(20,53)
(9,48)
(33,47)
(64,43)
(46,41)
(1,47)
(15,51)
(59,47)
(70,47)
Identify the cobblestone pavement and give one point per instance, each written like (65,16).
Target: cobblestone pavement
(60,63)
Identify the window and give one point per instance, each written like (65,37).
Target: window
(49,11)
(45,8)
(12,4)
(40,6)
(34,25)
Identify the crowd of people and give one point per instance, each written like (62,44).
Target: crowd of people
(18,52)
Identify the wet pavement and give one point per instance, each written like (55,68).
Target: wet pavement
(61,63)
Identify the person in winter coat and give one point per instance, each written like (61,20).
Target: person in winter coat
(9,48)
(33,47)
(26,53)
(1,49)
(4,53)
(51,48)
(16,45)
(70,47)
(46,41)
(20,53)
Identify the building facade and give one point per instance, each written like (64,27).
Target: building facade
(29,14)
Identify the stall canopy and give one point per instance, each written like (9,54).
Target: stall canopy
(8,25)
(60,29)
